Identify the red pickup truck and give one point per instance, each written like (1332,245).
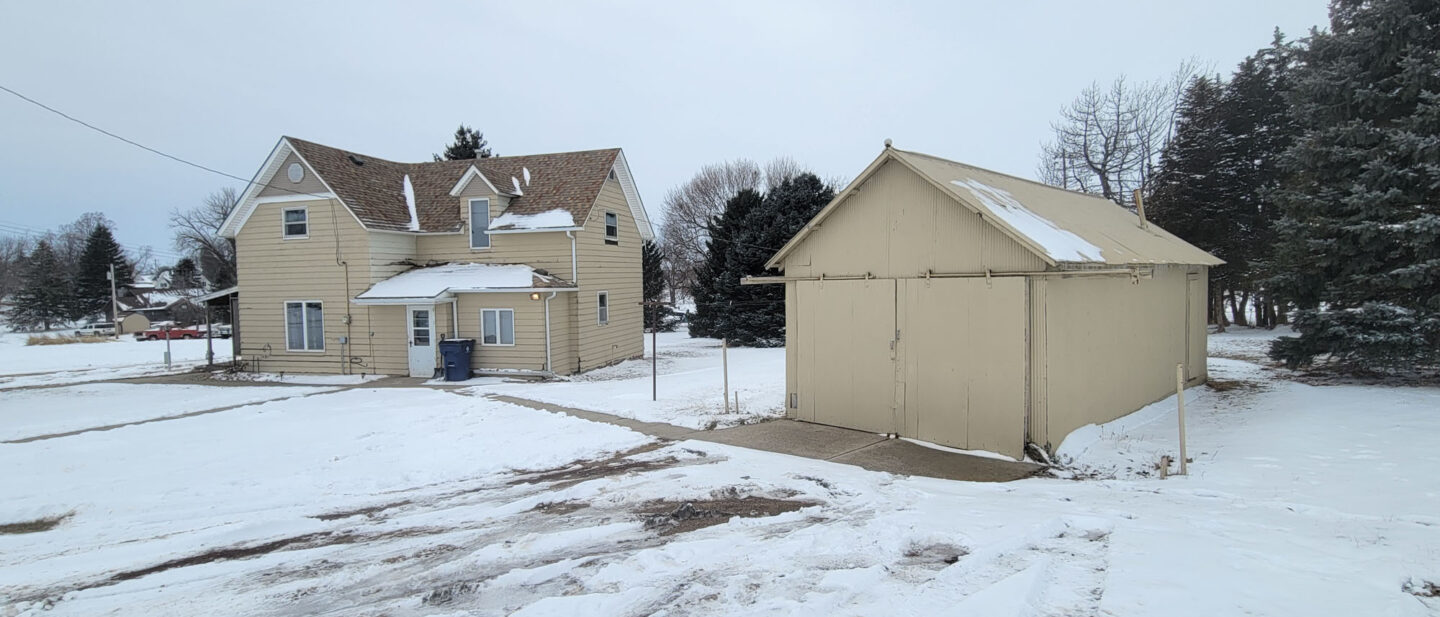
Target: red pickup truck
(160,334)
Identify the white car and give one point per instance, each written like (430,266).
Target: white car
(103,328)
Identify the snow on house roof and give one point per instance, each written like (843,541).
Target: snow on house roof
(442,282)
(550,219)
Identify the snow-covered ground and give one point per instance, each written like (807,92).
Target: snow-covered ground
(690,391)
(1301,500)
(34,365)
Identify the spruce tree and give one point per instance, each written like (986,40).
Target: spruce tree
(92,283)
(469,144)
(1258,130)
(716,286)
(1192,195)
(652,263)
(1361,211)
(750,231)
(44,293)
(185,275)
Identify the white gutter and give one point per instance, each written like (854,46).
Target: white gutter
(548,366)
(574,274)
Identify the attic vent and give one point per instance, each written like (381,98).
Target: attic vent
(356,160)
(612,173)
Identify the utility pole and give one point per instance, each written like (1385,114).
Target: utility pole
(114,303)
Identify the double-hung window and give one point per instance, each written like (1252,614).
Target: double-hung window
(612,228)
(479,223)
(304,326)
(602,307)
(497,326)
(297,222)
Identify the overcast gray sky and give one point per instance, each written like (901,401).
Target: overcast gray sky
(676,84)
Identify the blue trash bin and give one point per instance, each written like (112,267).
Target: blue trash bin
(455,353)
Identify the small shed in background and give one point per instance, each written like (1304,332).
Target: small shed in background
(959,306)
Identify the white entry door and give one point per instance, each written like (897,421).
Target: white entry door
(420,329)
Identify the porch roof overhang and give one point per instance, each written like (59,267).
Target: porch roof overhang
(442,283)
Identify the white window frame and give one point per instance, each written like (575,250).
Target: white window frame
(602,313)
(304,326)
(608,216)
(470,214)
(499,332)
(285,226)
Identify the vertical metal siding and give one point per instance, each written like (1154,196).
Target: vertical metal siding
(900,225)
(1112,346)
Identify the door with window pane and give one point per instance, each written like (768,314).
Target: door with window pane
(420,328)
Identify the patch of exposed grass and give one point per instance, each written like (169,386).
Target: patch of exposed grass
(63,339)
(34,526)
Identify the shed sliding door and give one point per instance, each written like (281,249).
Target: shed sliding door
(963,344)
(847,378)
(955,376)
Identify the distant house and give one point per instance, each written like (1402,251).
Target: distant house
(349,263)
(951,304)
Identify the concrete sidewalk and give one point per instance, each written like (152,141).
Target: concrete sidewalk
(859,448)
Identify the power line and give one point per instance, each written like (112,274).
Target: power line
(247,181)
(113,135)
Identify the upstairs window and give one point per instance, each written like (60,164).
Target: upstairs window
(602,307)
(612,228)
(479,223)
(297,223)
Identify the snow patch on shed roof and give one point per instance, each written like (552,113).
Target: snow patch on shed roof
(1059,244)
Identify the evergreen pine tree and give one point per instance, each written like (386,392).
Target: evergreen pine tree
(743,238)
(1259,131)
(91,294)
(652,263)
(185,275)
(715,290)
(1361,214)
(1192,193)
(44,292)
(469,144)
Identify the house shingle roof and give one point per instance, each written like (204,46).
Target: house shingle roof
(372,187)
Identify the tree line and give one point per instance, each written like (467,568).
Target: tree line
(1312,169)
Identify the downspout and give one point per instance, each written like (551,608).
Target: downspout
(455,317)
(574,273)
(550,368)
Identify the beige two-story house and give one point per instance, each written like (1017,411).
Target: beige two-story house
(353,264)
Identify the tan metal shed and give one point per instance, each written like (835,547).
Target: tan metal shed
(947,303)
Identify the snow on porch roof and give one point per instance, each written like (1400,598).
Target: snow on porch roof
(443,281)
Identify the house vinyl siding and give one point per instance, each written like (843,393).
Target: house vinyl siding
(390,254)
(528,352)
(900,225)
(272,271)
(613,268)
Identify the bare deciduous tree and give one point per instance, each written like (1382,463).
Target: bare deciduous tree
(1108,140)
(197,232)
(13,250)
(688,210)
(690,207)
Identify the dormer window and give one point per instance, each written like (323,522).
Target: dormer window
(612,228)
(479,223)
(297,223)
